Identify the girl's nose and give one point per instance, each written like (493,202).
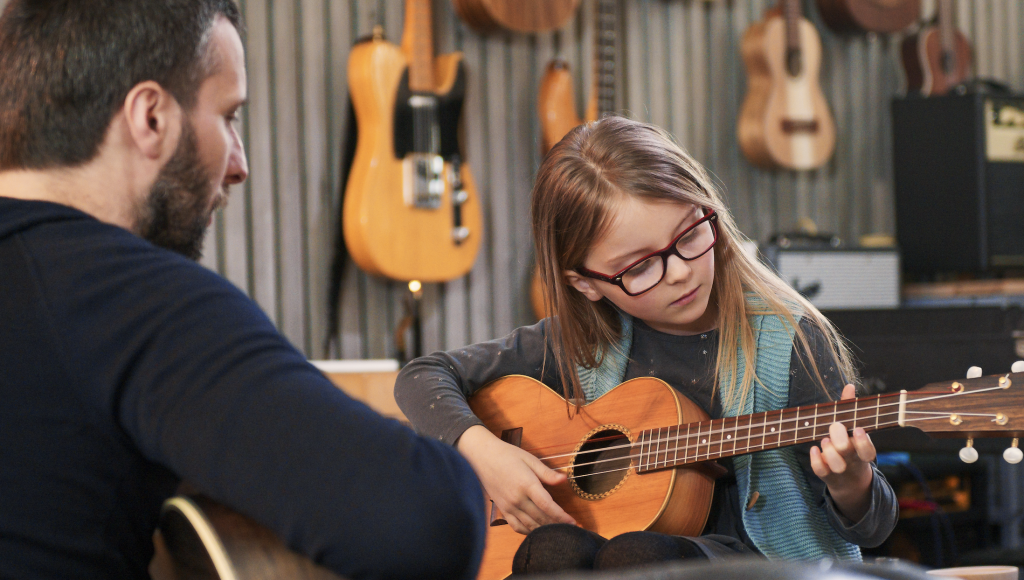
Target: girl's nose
(677,270)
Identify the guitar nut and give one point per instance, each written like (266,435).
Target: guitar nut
(955,419)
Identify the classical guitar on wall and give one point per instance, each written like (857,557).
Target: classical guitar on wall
(411,210)
(869,15)
(556,103)
(515,15)
(785,121)
(938,56)
(636,457)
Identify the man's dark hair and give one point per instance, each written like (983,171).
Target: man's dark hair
(66,67)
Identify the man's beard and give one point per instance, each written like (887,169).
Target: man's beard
(176,212)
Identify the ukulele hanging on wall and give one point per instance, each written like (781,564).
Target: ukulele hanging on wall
(785,121)
(869,15)
(411,210)
(938,56)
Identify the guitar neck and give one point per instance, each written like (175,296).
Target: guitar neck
(792,15)
(946,35)
(418,45)
(696,442)
(605,47)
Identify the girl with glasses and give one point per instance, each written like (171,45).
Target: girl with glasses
(643,265)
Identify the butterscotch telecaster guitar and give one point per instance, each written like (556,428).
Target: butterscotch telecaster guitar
(411,210)
(634,456)
(785,121)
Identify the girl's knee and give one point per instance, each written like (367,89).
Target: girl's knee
(639,548)
(557,547)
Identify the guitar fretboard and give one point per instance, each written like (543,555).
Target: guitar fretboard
(605,47)
(696,442)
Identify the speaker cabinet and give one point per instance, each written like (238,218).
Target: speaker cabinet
(959,169)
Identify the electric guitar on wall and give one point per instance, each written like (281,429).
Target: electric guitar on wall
(556,103)
(785,121)
(411,210)
(636,457)
(938,56)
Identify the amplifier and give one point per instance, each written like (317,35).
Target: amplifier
(840,278)
(959,182)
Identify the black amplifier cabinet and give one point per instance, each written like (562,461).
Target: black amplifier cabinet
(959,169)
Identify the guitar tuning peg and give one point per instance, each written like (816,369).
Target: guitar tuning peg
(1018,367)
(969,454)
(973,372)
(1012,453)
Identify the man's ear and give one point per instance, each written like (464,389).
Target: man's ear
(153,119)
(585,285)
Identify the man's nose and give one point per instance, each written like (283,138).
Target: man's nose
(238,165)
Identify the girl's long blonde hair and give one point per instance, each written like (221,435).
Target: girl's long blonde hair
(578,188)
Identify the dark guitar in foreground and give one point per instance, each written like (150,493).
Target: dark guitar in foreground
(634,456)
(203,540)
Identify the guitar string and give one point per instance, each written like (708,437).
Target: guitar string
(782,420)
(695,460)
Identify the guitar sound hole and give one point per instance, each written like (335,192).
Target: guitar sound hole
(602,461)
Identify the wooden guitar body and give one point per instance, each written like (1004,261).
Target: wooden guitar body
(556,105)
(785,120)
(923,62)
(675,501)
(869,15)
(516,15)
(387,232)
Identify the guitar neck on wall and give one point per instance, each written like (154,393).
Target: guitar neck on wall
(636,458)
(411,210)
(938,57)
(785,121)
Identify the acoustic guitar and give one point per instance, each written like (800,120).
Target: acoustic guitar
(200,539)
(515,15)
(556,103)
(869,15)
(938,56)
(633,457)
(784,121)
(411,210)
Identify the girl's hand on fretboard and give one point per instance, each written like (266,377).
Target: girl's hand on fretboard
(844,464)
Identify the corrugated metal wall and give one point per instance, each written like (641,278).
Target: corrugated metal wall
(682,70)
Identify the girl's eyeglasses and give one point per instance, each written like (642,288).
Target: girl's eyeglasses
(647,272)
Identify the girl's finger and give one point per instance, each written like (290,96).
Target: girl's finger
(849,392)
(836,463)
(839,438)
(862,443)
(818,465)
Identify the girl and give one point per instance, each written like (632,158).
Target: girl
(643,264)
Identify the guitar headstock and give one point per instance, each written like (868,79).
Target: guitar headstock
(978,406)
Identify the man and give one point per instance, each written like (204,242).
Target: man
(125,367)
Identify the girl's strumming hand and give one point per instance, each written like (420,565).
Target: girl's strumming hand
(514,480)
(844,464)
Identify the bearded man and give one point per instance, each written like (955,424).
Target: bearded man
(125,367)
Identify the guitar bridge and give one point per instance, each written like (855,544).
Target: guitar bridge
(800,126)
(424,180)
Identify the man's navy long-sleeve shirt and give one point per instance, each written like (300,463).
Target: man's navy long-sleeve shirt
(125,368)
